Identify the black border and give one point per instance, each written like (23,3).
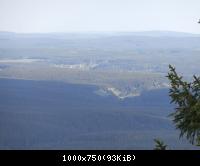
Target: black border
(55,157)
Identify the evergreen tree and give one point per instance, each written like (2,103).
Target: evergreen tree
(159,145)
(186,96)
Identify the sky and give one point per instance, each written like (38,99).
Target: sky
(39,16)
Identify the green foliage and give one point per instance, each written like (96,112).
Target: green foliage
(186,95)
(159,145)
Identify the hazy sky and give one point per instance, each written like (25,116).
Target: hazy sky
(99,15)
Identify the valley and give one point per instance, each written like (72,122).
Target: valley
(91,90)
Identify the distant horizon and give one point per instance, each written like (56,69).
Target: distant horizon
(99,32)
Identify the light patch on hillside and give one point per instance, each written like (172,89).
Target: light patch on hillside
(82,66)
(122,94)
(24,60)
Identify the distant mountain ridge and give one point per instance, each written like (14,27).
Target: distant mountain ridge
(162,34)
(134,33)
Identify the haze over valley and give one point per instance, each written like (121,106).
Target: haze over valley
(124,64)
(100,90)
